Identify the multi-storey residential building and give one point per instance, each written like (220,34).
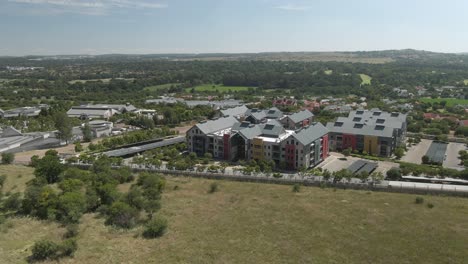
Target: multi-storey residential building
(373,131)
(298,120)
(229,140)
(257,116)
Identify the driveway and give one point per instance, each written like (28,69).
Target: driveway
(452,161)
(415,153)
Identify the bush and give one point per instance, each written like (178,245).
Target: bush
(72,231)
(277,175)
(430,205)
(296,188)
(8,158)
(2,180)
(13,202)
(155,228)
(419,200)
(394,174)
(68,247)
(122,215)
(213,187)
(44,249)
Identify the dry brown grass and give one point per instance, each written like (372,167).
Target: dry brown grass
(262,223)
(17,177)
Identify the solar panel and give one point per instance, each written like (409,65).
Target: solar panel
(269,127)
(357,165)
(368,167)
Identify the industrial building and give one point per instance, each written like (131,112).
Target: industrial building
(103,111)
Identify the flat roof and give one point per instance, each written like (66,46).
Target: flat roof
(134,150)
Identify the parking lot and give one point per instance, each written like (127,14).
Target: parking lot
(338,161)
(416,152)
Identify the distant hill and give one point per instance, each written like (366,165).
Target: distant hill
(373,57)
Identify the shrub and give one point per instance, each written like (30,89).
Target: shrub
(155,228)
(68,247)
(394,174)
(8,158)
(419,200)
(2,180)
(44,249)
(72,231)
(430,205)
(122,215)
(13,202)
(213,187)
(277,175)
(296,188)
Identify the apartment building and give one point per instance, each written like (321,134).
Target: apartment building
(373,131)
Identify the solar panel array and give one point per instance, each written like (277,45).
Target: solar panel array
(361,165)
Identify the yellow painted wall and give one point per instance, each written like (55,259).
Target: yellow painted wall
(257,150)
(371,144)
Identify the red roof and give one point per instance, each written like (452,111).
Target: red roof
(431,116)
(463,123)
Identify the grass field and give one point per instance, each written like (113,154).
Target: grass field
(466,82)
(17,177)
(328,72)
(450,101)
(106,80)
(262,223)
(220,88)
(159,87)
(366,79)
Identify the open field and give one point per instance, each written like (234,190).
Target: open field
(366,79)
(465,82)
(328,72)
(220,88)
(17,177)
(159,87)
(450,101)
(266,223)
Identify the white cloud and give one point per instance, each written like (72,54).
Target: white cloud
(292,7)
(88,7)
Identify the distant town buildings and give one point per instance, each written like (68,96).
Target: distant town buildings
(100,111)
(26,111)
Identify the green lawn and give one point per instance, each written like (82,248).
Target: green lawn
(366,79)
(220,88)
(450,101)
(159,87)
(328,72)
(466,82)
(268,223)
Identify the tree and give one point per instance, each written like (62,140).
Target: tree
(8,158)
(425,159)
(64,126)
(363,176)
(155,227)
(78,147)
(376,177)
(71,205)
(347,151)
(87,133)
(49,167)
(399,152)
(13,202)
(394,174)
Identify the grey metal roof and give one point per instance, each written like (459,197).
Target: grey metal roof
(235,111)
(211,126)
(350,127)
(394,120)
(272,113)
(133,150)
(250,131)
(436,151)
(311,133)
(89,112)
(302,115)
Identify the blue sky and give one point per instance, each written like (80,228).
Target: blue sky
(48,27)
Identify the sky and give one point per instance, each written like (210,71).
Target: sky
(52,27)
